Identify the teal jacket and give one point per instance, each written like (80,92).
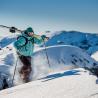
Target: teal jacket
(27,49)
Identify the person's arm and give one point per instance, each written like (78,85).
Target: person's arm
(39,39)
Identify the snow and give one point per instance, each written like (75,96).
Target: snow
(65,84)
(64,55)
(63,79)
(95,56)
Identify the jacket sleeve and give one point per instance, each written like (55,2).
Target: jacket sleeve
(20,41)
(39,39)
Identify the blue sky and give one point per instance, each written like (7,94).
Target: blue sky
(53,15)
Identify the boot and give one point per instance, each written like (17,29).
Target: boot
(25,74)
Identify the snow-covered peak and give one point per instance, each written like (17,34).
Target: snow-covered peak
(83,40)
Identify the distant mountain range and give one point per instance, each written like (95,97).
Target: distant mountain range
(86,41)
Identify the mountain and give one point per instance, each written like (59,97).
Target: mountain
(7,40)
(60,74)
(85,41)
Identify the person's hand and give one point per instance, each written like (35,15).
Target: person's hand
(46,38)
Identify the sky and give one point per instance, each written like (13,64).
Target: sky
(52,15)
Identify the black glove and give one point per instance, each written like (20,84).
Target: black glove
(44,37)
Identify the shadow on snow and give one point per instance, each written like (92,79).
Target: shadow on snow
(58,75)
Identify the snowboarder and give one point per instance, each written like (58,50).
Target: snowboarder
(24,46)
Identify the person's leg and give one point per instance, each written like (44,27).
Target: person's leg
(26,68)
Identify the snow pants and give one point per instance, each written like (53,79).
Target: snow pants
(26,68)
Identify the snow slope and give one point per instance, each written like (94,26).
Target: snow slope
(60,58)
(64,55)
(63,84)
